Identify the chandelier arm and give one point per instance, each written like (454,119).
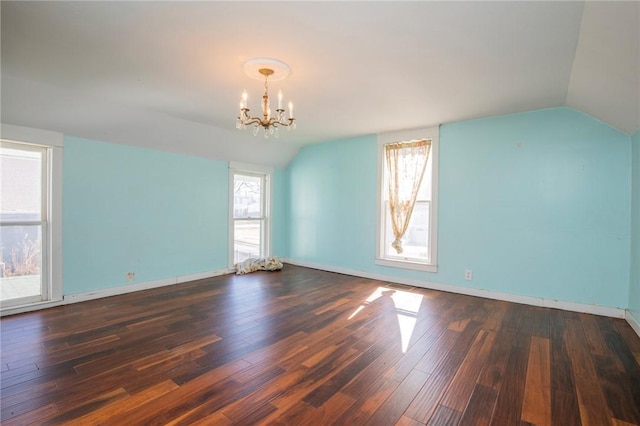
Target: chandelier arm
(250,121)
(272,122)
(275,123)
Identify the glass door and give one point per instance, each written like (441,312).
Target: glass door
(23,223)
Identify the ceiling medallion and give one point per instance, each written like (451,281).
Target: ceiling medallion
(275,70)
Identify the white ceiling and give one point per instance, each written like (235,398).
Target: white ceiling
(169,75)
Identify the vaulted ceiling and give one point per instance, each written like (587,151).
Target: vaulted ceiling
(168,75)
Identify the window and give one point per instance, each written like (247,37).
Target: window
(30,217)
(419,242)
(249,200)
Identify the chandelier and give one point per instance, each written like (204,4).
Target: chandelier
(265,68)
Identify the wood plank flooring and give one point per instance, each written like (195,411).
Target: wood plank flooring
(307,347)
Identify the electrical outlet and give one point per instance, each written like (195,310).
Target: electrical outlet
(131,276)
(468,274)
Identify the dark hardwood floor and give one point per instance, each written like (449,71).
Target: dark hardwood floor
(306,347)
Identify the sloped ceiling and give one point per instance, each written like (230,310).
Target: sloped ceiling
(168,75)
(605,77)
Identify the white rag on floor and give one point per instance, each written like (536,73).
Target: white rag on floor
(262,264)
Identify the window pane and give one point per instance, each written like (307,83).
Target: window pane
(247,196)
(415,242)
(247,237)
(20,184)
(20,261)
(424,193)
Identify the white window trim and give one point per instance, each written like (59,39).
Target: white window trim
(235,167)
(54,141)
(432,133)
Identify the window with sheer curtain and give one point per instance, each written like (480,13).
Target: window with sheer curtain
(407,215)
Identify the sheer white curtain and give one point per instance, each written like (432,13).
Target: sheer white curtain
(406,163)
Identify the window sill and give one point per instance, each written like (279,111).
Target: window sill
(404,264)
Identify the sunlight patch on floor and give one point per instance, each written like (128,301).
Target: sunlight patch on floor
(407,305)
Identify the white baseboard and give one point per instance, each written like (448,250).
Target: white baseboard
(489,294)
(633,322)
(527,300)
(113,291)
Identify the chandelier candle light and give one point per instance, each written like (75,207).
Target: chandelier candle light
(266,68)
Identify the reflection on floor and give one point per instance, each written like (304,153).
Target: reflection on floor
(407,306)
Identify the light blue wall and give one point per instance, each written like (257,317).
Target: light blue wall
(536,204)
(125,208)
(332,207)
(634,281)
(279,211)
(157,214)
